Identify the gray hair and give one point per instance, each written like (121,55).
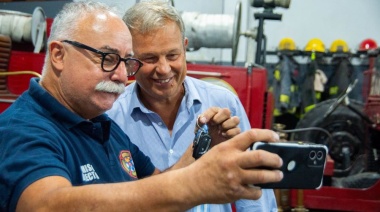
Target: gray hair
(65,24)
(146,16)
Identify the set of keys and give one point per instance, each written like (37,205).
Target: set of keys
(202,141)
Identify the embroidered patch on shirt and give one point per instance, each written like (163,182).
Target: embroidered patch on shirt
(126,162)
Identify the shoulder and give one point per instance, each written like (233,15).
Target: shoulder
(19,124)
(211,94)
(210,85)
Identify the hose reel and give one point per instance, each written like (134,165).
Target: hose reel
(213,30)
(25,27)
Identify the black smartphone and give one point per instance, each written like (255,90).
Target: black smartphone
(303,164)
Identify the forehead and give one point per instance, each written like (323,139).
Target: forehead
(105,29)
(167,37)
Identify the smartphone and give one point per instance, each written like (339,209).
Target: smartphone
(303,164)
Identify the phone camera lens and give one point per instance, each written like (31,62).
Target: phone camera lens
(312,155)
(319,155)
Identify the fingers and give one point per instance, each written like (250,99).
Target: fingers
(261,176)
(245,139)
(259,158)
(229,133)
(253,163)
(229,127)
(214,115)
(220,121)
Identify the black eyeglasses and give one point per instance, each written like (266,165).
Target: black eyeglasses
(110,61)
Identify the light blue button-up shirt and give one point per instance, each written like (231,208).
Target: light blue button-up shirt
(146,129)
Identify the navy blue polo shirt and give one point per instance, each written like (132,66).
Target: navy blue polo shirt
(39,137)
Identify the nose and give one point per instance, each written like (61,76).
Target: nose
(120,73)
(163,66)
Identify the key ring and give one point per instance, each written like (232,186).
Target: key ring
(197,123)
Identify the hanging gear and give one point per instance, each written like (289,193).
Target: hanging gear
(341,76)
(313,84)
(340,46)
(367,44)
(287,44)
(315,79)
(285,86)
(308,93)
(342,69)
(315,45)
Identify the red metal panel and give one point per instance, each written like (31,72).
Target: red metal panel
(23,61)
(235,76)
(49,22)
(4,105)
(269,107)
(257,99)
(343,199)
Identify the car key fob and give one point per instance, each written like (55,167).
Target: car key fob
(201,142)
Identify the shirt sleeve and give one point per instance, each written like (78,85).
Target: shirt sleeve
(27,156)
(267,202)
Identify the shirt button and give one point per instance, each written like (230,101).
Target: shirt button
(171,151)
(159,123)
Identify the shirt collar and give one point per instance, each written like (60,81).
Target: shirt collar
(55,108)
(192,93)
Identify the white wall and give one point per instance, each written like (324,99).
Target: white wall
(351,20)
(328,20)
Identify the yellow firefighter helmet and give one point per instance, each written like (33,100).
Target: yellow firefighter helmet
(315,45)
(286,44)
(339,45)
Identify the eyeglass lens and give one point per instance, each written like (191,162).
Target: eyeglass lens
(111,61)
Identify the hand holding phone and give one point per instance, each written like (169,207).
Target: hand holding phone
(303,164)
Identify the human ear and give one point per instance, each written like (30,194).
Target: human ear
(57,53)
(185,43)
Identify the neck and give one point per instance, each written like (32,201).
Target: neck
(166,108)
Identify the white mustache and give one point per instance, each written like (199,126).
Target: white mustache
(110,87)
